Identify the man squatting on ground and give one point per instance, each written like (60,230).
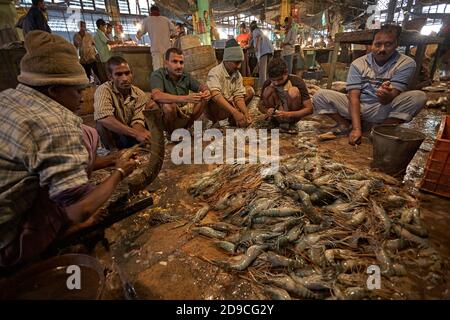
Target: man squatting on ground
(170,89)
(118,106)
(376,85)
(46,153)
(229,96)
(285,97)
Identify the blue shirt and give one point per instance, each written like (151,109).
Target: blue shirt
(265,45)
(366,75)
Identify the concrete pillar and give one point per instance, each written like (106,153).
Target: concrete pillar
(391,10)
(202,23)
(336,22)
(285,10)
(408,10)
(112,8)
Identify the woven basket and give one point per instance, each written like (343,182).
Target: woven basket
(199,58)
(189,41)
(202,74)
(87,106)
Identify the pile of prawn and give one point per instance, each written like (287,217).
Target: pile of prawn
(312,229)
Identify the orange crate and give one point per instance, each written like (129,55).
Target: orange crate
(248,81)
(436,178)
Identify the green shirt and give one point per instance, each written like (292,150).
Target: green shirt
(101,43)
(159,79)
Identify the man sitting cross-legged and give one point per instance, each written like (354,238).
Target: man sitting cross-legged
(229,96)
(285,97)
(118,107)
(377,86)
(170,89)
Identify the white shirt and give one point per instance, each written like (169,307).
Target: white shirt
(264,45)
(159,30)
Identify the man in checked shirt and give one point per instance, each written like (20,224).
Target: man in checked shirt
(46,154)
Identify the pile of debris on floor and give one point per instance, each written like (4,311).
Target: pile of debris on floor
(316,228)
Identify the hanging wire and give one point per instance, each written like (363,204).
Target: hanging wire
(65,23)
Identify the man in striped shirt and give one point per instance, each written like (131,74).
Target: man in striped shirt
(118,106)
(377,86)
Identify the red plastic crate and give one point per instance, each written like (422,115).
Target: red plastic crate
(436,178)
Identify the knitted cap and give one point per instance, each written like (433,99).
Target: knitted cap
(233,51)
(50,60)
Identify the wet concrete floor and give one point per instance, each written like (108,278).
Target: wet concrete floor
(163,260)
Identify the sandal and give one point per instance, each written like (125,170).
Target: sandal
(335,132)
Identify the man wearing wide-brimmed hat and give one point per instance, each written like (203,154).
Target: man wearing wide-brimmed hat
(44,156)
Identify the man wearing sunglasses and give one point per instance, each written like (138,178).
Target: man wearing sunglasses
(118,106)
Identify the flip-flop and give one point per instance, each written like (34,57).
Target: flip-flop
(327,136)
(339,130)
(334,133)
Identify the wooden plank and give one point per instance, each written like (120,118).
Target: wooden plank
(406,37)
(337,45)
(362,37)
(434,66)
(418,39)
(420,52)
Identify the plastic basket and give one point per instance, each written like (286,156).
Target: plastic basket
(436,178)
(201,75)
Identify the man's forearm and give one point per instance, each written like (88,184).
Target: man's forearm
(103,162)
(162,97)
(138,126)
(303,112)
(223,103)
(203,87)
(355,109)
(389,97)
(263,108)
(84,208)
(116,126)
(240,104)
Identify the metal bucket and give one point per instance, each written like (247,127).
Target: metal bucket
(65,277)
(394,147)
